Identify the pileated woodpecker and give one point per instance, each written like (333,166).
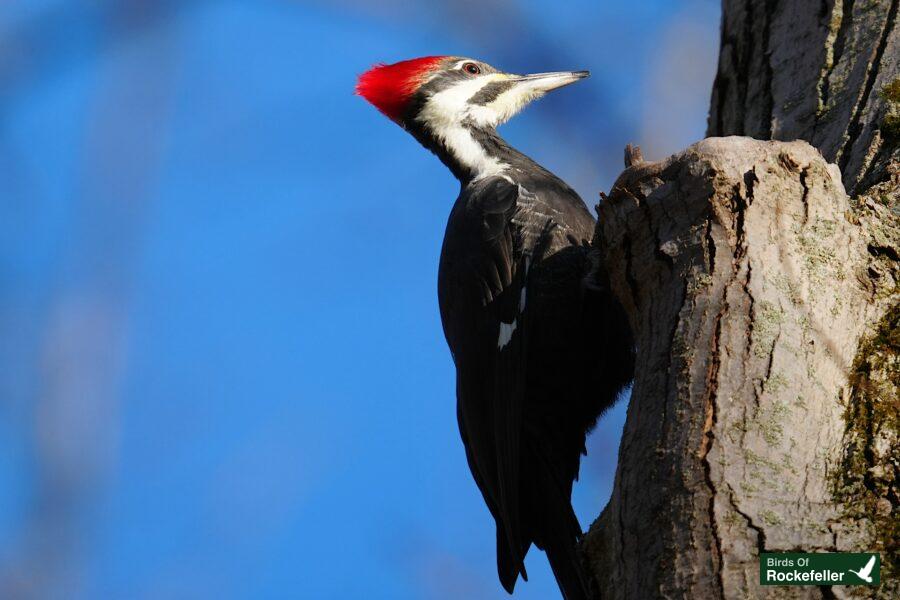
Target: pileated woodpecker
(541,350)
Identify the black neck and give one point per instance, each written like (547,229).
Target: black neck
(487,138)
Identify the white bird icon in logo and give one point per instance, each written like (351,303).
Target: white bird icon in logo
(864,573)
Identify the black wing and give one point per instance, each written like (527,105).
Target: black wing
(539,356)
(483,290)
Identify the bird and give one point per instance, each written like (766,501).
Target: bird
(541,346)
(866,572)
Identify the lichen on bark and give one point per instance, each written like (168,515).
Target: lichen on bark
(867,483)
(891,122)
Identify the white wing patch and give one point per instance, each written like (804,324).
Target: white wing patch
(506,333)
(507,329)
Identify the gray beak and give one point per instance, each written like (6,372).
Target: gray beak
(544,82)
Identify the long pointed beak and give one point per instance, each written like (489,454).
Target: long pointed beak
(544,82)
(505,94)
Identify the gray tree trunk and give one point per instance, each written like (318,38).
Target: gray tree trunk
(765,303)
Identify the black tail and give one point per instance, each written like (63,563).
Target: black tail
(559,536)
(550,523)
(566,565)
(509,563)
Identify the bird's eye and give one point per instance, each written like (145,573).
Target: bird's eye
(472,69)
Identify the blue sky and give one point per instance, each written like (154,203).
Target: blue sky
(222,373)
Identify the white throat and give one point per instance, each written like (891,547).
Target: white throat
(470,154)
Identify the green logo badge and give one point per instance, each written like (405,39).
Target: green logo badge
(834,568)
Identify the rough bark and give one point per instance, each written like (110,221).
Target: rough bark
(817,71)
(747,276)
(765,303)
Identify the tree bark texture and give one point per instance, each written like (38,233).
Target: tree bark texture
(819,71)
(765,303)
(746,275)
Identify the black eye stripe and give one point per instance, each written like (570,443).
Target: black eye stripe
(489,93)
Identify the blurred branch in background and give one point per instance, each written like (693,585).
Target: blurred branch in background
(71,396)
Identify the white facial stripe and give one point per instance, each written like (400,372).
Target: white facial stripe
(508,104)
(452,104)
(445,112)
(469,152)
(511,101)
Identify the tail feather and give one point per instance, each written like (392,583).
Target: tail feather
(559,535)
(509,564)
(566,565)
(550,523)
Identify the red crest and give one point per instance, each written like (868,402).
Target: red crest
(389,87)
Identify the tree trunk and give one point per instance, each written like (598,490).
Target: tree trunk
(814,71)
(766,309)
